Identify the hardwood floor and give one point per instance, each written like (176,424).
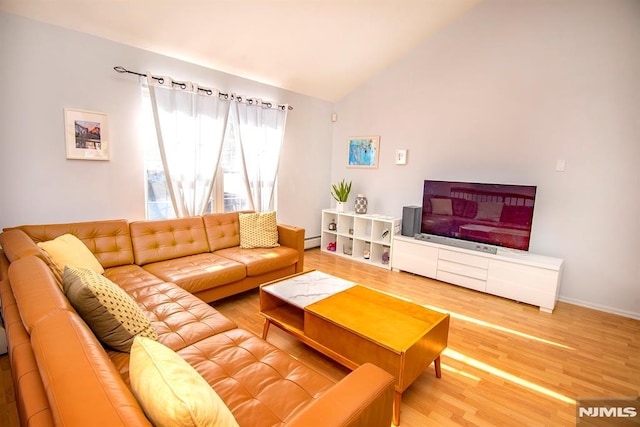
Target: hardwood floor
(507,364)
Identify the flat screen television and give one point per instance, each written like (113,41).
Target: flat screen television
(494,214)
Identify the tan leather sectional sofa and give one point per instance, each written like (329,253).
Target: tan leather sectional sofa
(63,375)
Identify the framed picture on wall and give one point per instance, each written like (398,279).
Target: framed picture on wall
(86,135)
(364,152)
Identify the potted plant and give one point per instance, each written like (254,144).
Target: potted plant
(340,193)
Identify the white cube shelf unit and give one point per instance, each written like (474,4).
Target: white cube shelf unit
(354,234)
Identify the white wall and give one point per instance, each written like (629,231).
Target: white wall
(499,96)
(45,69)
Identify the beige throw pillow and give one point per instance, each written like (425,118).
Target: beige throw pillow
(171,392)
(69,250)
(258,230)
(441,206)
(489,211)
(113,316)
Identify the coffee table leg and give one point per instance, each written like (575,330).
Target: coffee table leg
(436,364)
(397,399)
(265,328)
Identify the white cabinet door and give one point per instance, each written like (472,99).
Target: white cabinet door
(415,258)
(533,285)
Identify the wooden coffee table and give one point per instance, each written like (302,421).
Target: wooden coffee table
(353,324)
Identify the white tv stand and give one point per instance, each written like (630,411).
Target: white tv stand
(521,276)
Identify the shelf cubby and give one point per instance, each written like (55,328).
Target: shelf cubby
(360,232)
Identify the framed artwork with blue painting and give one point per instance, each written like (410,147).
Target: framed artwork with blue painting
(363,152)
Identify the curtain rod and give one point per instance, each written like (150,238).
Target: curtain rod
(121,69)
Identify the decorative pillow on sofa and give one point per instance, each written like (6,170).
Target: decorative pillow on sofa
(69,250)
(258,230)
(490,211)
(441,206)
(171,392)
(113,316)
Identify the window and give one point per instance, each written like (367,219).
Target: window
(193,145)
(230,183)
(229,188)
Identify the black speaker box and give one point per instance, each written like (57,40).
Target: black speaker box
(411,219)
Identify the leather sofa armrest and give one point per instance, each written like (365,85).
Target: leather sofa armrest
(293,237)
(364,398)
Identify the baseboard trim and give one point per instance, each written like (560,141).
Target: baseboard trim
(312,242)
(599,307)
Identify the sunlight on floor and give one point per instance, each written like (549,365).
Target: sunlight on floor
(497,327)
(459,372)
(488,368)
(506,376)
(483,323)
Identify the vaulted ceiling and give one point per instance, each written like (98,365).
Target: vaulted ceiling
(320,48)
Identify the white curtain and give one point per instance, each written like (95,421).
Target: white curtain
(190,126)
(260,130)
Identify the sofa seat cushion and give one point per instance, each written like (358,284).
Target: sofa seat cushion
(261,260)
(179,318)
(130,277)
(198,272)
(262,385)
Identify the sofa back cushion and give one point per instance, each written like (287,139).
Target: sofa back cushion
(36,291)
(223,230)
(109,240)
(161,240)
(17,244)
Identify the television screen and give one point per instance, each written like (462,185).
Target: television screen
(494,214)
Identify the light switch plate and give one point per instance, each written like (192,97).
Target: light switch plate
(401,157)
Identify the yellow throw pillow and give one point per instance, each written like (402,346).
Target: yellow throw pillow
(171,392)
(69,250)
(258,230)
(113,316)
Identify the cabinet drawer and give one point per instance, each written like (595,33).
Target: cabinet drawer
(462,258)
(462,270)
(466,281)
